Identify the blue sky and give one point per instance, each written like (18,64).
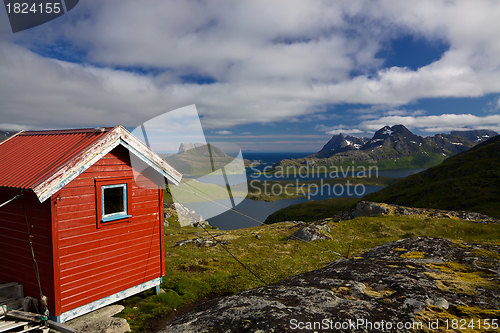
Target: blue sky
(266,75)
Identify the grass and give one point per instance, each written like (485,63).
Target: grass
(195,273)
(313,210)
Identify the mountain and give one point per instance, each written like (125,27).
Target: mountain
(340,143)
(393,147)
(468,181)
(5,134)
(475,135)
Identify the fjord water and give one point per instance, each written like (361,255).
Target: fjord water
(260,210)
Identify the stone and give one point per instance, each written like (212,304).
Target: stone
(365,208)
(100,321)
(308,234)
(187,217)
(380,285)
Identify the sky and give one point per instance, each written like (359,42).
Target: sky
(265,75)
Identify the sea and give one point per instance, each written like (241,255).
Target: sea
(249,213)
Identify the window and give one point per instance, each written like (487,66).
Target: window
(113,200)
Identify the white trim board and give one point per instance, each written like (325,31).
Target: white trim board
(80,311)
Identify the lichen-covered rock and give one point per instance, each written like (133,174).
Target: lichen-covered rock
(101,321)
(402,286)
(367,208)
(202,242)
(308,234)
(186,216)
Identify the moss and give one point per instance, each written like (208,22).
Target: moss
(373,292)
(486,253)
(460,243)
(474,312)
(462,319)
(343,292)
(413,255)
(459,278)
(400,249)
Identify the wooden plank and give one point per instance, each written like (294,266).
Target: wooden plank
(23,315)
(95,258)
(84,290)
(9,325)
(60,327)
(107,298)
(112,269)
(77,206)
(37,327)
(8,285)
(105,236)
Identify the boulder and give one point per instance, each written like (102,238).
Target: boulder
(101,321)
(187,217)
(411,283)
(366,208)
(308,234)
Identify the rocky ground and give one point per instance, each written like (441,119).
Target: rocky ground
(100,321)
(421,284)
(367,208)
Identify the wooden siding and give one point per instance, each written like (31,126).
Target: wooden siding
(16,262)
(95,262)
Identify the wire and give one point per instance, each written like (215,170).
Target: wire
(227,250)
(214,200)
(242,264)
(35,263)
(8,201)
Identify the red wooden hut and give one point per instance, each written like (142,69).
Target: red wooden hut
(95,224)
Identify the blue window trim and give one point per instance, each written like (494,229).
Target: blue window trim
(119,215)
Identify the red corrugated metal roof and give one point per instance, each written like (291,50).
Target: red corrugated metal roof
(28,158)
(45,161)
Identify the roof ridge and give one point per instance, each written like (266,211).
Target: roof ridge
(69,131)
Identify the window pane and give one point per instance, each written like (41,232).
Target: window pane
(113,200)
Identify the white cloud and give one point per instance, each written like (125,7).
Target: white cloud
(435,124)
(493,106)
(338,129)
(224,132)
(272,61)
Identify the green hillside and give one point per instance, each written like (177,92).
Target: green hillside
(469,181)
(312,210)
